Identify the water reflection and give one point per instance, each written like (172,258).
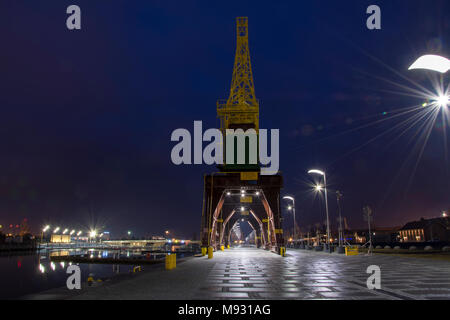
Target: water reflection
(27,273)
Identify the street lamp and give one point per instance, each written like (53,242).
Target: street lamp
(56,230)
(434,63)
(318,187)
(42,234)
(291,208)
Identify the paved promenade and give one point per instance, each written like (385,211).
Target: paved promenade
(249,273)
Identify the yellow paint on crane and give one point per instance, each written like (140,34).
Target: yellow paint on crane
(249,175)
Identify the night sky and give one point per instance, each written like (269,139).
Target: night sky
(86,116)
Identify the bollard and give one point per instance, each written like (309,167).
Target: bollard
(90,279)
(204,249)
(228,246)
(283,251)
(171,261)
(210,252)
(137,269)
(351,251)
(222,248)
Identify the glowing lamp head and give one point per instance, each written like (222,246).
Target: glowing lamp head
(442,100)
(289,207)
(318,187)
(431,62)
(93,234)
(316,171)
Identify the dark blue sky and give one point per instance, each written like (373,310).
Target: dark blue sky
(86,116)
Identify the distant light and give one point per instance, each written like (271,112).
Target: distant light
(444,214)
(46,228)
(431,62)
(56,230)
(65,231)
(318,187)
(93,233)
(228,193)
(289,208)
(424,104)
(242,191)
(257,193)
(79,233)
(129,232)
(72,232)
(242,219)
(242,209)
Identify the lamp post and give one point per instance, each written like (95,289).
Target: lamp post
(293,211)
(341,233)
(322,173)
(42,234)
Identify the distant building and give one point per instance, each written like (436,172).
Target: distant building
(379,235)
(60,238)
(436,229)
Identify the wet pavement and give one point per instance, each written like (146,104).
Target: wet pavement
(250,273)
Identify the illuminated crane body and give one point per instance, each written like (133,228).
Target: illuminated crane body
(241,110)
(238,192)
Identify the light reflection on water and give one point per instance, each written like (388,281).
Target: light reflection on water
(23,274)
